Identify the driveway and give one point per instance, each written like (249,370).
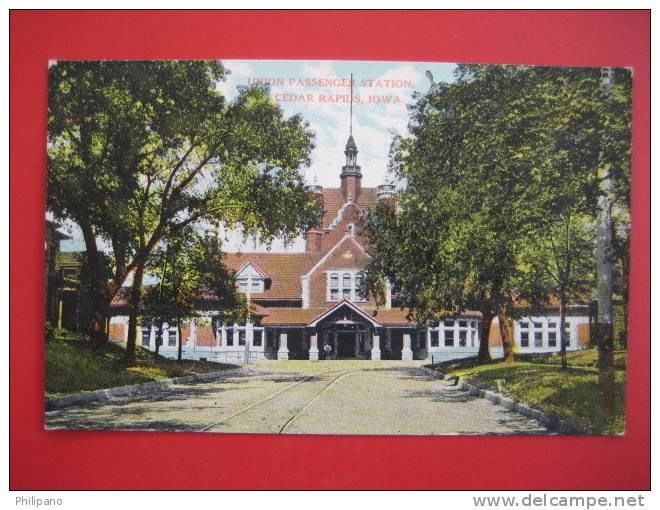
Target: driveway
(302,397)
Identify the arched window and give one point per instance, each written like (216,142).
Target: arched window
(334,280)
(346,283)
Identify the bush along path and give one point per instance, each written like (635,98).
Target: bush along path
(72,367)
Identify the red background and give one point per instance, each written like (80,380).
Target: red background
(136,460)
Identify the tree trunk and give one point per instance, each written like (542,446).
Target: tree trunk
(133,309)
(179,354)
(484,331)
(505,335)
(159,337)
(100,297)
(604,279)
(562,329)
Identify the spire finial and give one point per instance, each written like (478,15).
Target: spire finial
(351,122)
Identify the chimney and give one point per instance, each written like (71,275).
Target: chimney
(313,241)
(313,236)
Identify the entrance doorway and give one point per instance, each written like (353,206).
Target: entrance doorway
(346,345)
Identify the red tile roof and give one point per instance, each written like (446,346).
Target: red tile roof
(291,316)
(304,316)
(284,270)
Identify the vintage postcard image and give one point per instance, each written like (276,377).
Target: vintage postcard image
(330,247)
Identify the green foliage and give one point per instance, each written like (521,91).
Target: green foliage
(571,394)
(559,260)
(496,165)
(138,150)
(72,366)
(190,270)
(146,145)
(582,358)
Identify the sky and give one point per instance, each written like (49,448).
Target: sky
(319,90)
(372,121)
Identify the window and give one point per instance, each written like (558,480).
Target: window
(538,325)
(435,342)
(473,339)
(524,325)
(449,337)
(567,335)
(230,336)
(146,334)
(552,338)
(462,324)
(538,338)
(524,339)
(250,283)
(346,280)
(345,286)
(241,337)
(552,325)
(449,323)
(171,337)
(256,339)
(462,337)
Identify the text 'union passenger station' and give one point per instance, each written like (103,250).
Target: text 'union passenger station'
(308,305)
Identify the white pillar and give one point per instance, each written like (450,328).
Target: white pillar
(249,338)
(406,352)
(192,339)
(313,348)
(283,351)
(375,347)
(388,295)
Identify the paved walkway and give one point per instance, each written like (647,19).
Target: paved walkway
(335,397)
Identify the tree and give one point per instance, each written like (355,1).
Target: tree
(465,172)
(189,269)
(490,159)
(613,171)
(139,150)
(559,263)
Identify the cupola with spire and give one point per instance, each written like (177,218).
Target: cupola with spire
(351,175)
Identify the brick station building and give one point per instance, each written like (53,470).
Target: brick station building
(308,305)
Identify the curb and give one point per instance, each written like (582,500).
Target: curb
(135,389)
(551,422)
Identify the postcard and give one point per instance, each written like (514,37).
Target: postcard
(337,247)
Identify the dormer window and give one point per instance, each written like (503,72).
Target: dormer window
(344,284)
(251,279)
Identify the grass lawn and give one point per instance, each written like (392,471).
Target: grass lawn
(537,380)
(72,367)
